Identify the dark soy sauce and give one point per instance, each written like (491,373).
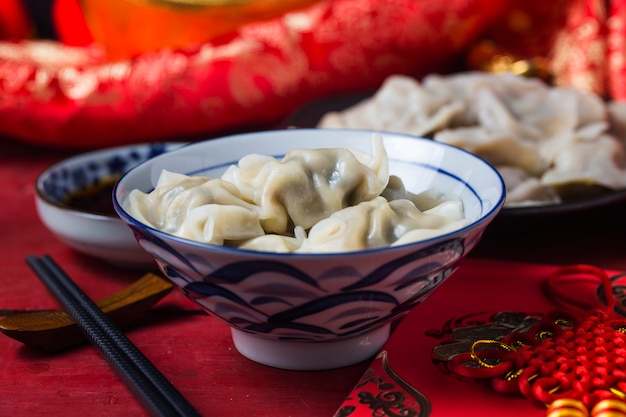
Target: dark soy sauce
(96,198)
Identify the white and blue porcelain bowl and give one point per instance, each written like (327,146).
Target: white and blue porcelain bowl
(101,233)
(317,311)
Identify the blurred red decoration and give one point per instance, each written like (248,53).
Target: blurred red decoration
(68,94)
(72,97)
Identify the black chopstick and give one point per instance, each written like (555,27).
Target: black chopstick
(156,394)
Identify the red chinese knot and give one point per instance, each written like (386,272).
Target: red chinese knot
(564,360)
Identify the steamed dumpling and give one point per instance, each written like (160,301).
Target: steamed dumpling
(602,161)
(523,189)
(400,105)
(443,218)
(381,223)
(276,243)
(308,185)
(197,208)
(497,148)
(310,201)
(424,200)
(557,135)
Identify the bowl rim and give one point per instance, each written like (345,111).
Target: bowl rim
(86,157)
(488,216)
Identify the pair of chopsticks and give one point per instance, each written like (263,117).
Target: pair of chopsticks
(155,393)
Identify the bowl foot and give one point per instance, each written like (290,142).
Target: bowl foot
(307,356)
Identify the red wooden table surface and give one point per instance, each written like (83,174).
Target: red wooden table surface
(194,351)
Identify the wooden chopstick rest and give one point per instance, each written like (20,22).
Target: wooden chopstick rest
(54,330)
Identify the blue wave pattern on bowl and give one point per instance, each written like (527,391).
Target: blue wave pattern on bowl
(326,297)
(287,306)
(71,177)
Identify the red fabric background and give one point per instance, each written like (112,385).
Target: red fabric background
(72,97)
(69,96)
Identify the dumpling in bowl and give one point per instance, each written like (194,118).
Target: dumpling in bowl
(308,185)
(276,243)
(197,208)
(381,223)
(425,200)
(310,201)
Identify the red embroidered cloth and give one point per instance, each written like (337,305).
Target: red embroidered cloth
(72,97)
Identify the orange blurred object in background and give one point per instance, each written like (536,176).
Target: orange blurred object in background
(126,28)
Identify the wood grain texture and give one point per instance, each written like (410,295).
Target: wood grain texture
(54,330)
